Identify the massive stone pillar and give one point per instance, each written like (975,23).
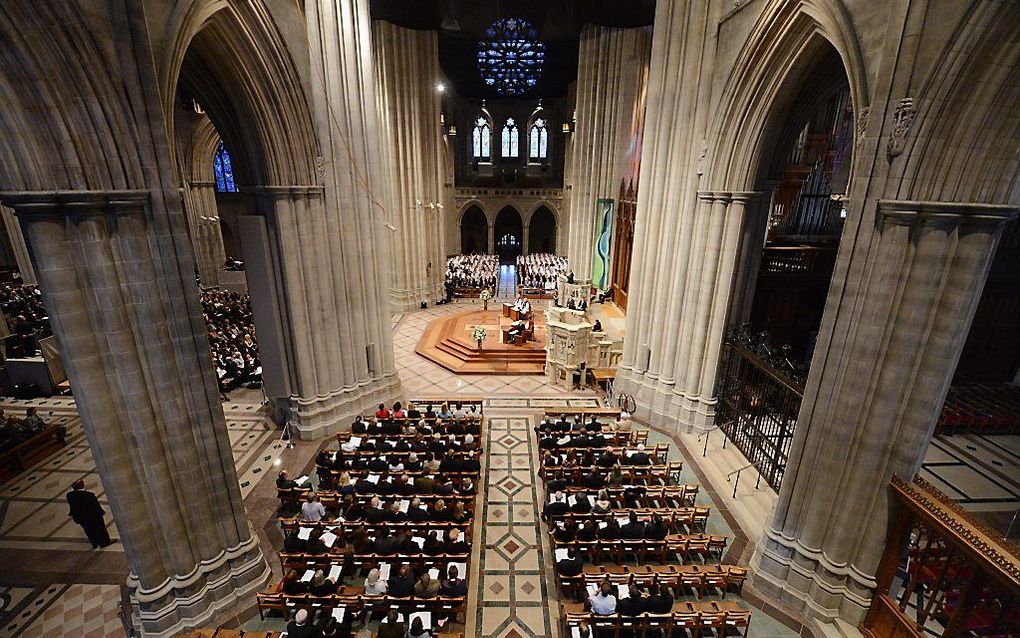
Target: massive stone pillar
(407,71)
(17,239)
(124,308)
(612,73)
(330,239)
(204,228)
(678,293)
(885,357)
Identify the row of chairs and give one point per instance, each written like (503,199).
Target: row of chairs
(296,495)
(665,495)
(652,475)
(658,453)
(699,579)
(277,601)
(676,546)
(695,619)
(289,524)
(693,518)
(355,564)
(617,438)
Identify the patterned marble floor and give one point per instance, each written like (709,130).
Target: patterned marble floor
(79,593)
(423,378)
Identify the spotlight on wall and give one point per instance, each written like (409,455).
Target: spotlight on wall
(440,87)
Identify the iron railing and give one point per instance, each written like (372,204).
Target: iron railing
(758,406)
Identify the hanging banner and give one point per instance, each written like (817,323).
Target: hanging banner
(603,246)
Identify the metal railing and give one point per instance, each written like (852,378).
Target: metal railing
(736,481)
(759,404)
(707,434)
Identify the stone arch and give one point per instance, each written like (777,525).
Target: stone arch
(781,45)
(475,203)
(231,56)
(474,231)
(540,204)
(508,233)
(966,110)
(541,230)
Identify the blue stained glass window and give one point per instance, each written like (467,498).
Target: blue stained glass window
(224,171)
(510,58)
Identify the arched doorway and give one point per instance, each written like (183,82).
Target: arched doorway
(474,231)
(509,235)
(542,231)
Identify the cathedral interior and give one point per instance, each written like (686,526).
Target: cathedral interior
(512,318)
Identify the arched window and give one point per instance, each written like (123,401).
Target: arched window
(481,140)
(538,140)
(224,171)
(511,139)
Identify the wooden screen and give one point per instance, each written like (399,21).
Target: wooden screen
(623,242)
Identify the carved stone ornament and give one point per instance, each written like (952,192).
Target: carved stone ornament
(903,117)
(320,169)
(862,121)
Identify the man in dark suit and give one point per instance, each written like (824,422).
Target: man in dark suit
(471,464)
(557,507)
(301,627)
(640,457)
(87,512)
(632,604)
(401,584)
(569,566)
(634,529)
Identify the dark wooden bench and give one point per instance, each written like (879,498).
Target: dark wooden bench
(31,450)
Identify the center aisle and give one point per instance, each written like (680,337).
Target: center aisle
(510,591)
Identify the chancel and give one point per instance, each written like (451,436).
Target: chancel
(457,319)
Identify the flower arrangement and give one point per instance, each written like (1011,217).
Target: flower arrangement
(485,297)
(479,335)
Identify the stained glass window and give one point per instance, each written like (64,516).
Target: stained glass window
(510,58)
(224,171)
(511,139)
(538,140)
(481,139)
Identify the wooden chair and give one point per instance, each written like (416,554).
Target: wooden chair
(685,621)
(712,621)
(692,581)
(738,620)
(735,577)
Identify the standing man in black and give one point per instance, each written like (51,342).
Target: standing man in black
(87,512)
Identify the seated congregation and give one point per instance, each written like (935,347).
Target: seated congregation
(385,533)
(632,554)
(467,275)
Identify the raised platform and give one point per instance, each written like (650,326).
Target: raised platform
(447,342)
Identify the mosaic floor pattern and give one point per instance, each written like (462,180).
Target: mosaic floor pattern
(34,525)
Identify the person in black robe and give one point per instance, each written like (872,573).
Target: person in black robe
(86,511)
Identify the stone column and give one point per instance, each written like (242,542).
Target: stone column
(672,222)
(715,239)
(206,235)
(334,371)
(492,239)
(524,240)
(887,350)
(347,264)
(124,308)
(17,239)
(407,71)
(612,73)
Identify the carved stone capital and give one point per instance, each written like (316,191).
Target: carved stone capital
(39,204)
(975,216)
